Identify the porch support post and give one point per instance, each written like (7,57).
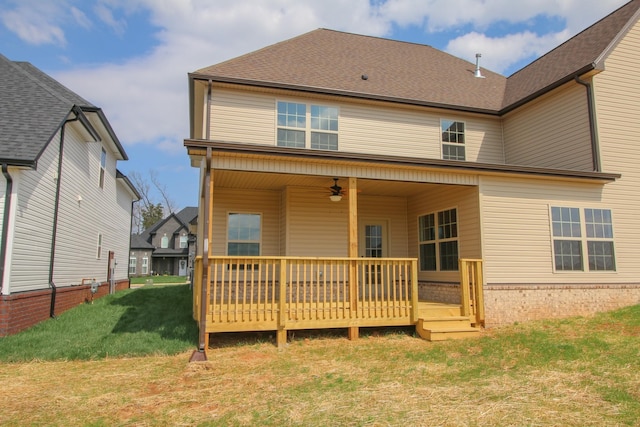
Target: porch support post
(281,333)
(353,252)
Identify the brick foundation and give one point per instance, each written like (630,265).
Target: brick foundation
(506,304)
(22,310)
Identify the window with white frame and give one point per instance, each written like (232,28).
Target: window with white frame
(103,166)
(438,241)
(99,247)
(164,241)
(307,126)
(132,265)
(145,265)
(578,231)
(453,140)
(184,242)
(243,234)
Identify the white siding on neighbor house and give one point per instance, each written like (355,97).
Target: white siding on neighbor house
(517,238)
(33,222)
(266,203)
(101,211)
(551,132)
(432,200)
(247,117)
(617,95)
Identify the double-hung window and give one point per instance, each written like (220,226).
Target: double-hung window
(453,140)
(132,265)
(578,231)
(145,265)
(103,166)
(243,235)
(438,241)
(307,126)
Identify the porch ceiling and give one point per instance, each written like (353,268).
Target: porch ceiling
(276,181)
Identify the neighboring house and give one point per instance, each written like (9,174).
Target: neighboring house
(167,247)
(65,209)
(536,175)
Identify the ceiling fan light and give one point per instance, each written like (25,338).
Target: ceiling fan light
(335,197)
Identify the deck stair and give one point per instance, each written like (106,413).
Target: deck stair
(439,322)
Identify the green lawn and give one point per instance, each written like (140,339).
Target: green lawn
(134,322)
(158,280)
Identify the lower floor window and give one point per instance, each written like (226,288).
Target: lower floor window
(145,265)
(438,241)
(243,234)
(132,265)
(578,231)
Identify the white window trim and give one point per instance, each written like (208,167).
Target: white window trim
(453,144)
(227,241)
(144,268)
(99,245)
(438,240)
(134,265)
(103,167)
(583,239)
(307,129)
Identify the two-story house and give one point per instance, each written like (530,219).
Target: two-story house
(167,247)
(336,167)
(65,209)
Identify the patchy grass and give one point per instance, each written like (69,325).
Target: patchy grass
(573,372)
(134,322)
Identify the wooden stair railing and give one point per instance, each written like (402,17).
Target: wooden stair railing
(471,290)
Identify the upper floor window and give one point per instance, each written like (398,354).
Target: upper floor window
(571,240)
(103,165)
(307,126)
(438,240)
(453,140)
(164,241)
(243,234)
(183,241)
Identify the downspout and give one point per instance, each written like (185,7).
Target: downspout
(595,145)
(54,232)
(5,223)
(205,246)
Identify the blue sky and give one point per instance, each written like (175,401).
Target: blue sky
(131,57)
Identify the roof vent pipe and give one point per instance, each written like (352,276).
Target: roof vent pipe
(478,73)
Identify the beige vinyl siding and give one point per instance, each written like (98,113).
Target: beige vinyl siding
(33,223)
(617,91)
(266,203)
(465,200)
(552,132)
(518,245)
(243,117)
(247,117)
(393,211)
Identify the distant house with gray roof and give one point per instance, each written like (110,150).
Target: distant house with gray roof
(167,247)
(65,208)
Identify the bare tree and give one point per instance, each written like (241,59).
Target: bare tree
(147,211)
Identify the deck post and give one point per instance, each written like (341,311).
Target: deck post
(353,253)
(414,291)
(281,333)
(464,287)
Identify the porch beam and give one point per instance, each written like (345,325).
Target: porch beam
(353,251)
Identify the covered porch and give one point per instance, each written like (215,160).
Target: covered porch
(313,261)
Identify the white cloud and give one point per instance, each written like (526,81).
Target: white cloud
(501,53)
(80,18)
(106,15)
(34,25)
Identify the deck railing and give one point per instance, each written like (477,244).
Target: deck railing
(278,293)
(471,290)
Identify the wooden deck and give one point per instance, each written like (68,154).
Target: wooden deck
(289,293)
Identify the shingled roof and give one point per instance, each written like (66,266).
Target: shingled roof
(333,62)
(33,107)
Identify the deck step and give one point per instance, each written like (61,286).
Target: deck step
(443,334)
(446,328)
